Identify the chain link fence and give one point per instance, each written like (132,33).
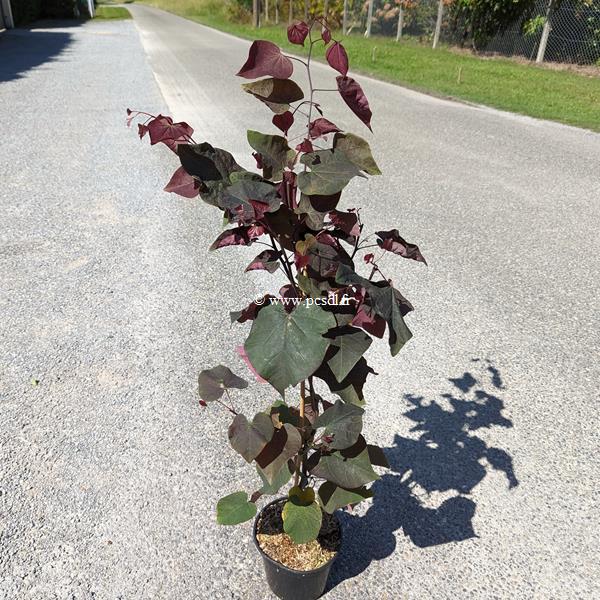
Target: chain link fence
(572,27)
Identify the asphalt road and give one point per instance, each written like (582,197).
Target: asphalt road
(110,304)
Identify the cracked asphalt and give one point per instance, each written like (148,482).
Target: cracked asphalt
(111,304)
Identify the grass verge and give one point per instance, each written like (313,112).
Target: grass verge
(562,96)
(112,12)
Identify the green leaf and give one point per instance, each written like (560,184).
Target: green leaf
(280,478)
(333,497)
(330,171)
(234,509)
(358,152)
(285,444)
(352,345)
(205,162)
(342,421)
(212,383)
(313,218)
(249,439)
(285,348)
(274,149)
(275,91)
(302,523)
(346,472)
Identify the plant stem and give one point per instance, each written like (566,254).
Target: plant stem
(300,458)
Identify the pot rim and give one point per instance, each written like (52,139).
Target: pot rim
(276,563)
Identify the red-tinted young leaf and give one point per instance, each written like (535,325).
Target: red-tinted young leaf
(162,129)
(353,95)
(142,130)
(260,208)
(284,121)
(242,352)
(305,146)
(265,261)
(346,221)
(237,236)
(250,312)
(337,58)
(392,242)
(301,260)
(321,127)
(366,319)
(326,35)
(183,184)
(265,58)
(368,258)
(297,33)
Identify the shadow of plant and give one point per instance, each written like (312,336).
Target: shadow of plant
(447,457)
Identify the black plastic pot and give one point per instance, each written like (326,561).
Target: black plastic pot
(289,584)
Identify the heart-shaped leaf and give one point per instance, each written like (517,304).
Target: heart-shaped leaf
(353,95)
(249,439)
(183,184)
(302,523)
(297,33)
(321,127)
(265,58)
(285,444)
(205,162)
(337,58)
(333,497)
(346,472)
(212,383)
(275,91)
(343,422)
(352,344)
(265,261)
(235,509)
(285,348)
(274,151)
(283,121)
(330,171)
(358,151)
(393,242)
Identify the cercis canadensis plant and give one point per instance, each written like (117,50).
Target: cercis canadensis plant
(318,341)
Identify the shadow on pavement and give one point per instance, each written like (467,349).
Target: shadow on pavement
(23,49)
(446,457)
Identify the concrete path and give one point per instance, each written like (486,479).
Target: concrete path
(111,302)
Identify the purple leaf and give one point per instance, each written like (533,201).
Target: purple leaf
(142,130)
(321,127)
(337,58)
(238,236)
(265,58)
(326,35)
(284,121)
(305,146)
(162,129)
(366,319)
(183,184)
(355,98)
(392,242)
(297,33)
(265,261)
(346,221)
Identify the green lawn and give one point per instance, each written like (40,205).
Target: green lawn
(112,12)
(541,92)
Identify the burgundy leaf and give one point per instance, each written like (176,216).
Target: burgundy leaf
(162,129)
(265,58)
(301,260)
(305,146)
(260,208)
(321,127)
(297,33)
(326,35)
(392,242)
(368,258)
(238,236)
(369,321)
(355,98)
(265,261)
(346,221)
(183,184)
(284,121)
(250,312)
(242,352)
(337,58)
(142,130)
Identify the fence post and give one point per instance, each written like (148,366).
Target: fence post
(290,11)
(545,33)
(276,12)
(306,10)
(256,13)
(369,19)
(345,18)
(6,11)
(400,24)
(438,24)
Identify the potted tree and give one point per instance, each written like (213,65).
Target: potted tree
(313,335)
